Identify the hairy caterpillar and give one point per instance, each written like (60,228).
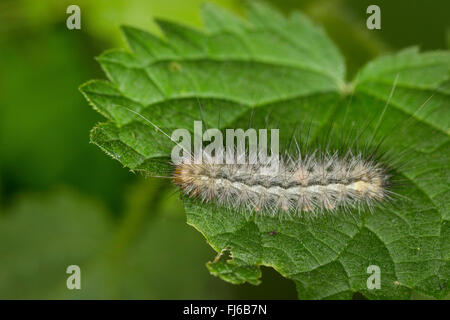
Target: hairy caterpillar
(310,184)
(308,181)
(351,175)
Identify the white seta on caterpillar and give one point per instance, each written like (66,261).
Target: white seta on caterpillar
(310,183)
(349,172)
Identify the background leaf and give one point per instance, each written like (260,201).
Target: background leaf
(117,260)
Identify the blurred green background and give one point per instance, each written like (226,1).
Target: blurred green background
(63,201)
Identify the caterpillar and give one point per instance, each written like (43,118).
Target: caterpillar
(308,181)
(312,183)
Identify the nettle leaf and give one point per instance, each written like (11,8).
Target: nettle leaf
(287,69)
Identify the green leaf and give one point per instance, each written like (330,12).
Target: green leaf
(233,270)
(287,69)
